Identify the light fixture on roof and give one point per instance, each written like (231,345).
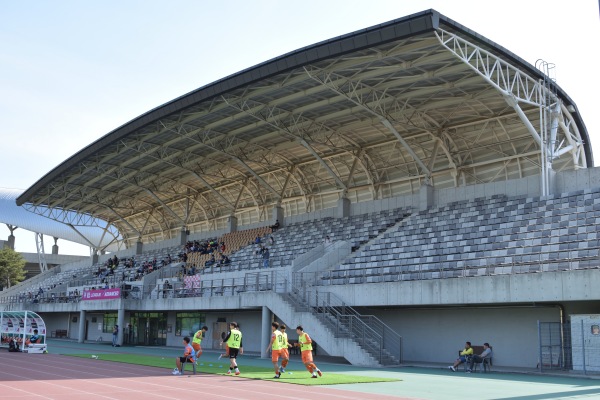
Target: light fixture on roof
(570,108)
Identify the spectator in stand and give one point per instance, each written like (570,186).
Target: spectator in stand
(257,240)
(271,240)
(265,257)
(275,226)
(327,240)
(210,261)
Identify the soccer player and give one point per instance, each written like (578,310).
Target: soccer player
(284,352)
(275,347)
(305,343)
(188,356)
(197,341)
(234,343)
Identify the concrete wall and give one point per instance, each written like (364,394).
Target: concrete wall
(435,335)
(578,285)
(570,181)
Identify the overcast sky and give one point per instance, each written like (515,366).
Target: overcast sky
(72,71)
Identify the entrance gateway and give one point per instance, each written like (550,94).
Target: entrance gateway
(19,326)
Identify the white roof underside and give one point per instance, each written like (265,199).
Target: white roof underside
(14,215)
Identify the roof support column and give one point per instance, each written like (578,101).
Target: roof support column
(343,207)
(232,223)
(277,214)
(11,237)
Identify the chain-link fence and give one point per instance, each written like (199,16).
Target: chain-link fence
(572,346)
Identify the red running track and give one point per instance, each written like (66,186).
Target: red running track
(50,376)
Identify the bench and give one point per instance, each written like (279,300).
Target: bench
(59,333)
(486,363)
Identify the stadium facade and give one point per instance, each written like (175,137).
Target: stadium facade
(454,180)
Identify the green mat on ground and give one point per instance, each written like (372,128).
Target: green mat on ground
(300,377)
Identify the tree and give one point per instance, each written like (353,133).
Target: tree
(12,267)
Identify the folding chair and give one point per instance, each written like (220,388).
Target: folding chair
(193,363)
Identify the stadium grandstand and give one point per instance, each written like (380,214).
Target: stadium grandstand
(397,191)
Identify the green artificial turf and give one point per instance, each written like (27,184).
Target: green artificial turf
(300,377)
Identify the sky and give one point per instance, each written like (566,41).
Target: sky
(72,71)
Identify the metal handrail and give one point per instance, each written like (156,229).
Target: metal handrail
(376,337)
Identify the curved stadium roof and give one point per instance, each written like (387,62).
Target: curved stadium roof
(371,114)
(90,234)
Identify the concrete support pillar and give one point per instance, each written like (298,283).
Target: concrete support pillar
(425,197)
(232,224)
(55,247)
(81,337)
(11,241)
(277,215)
(182,236)
(265,332)
(551,181)
(95,256)
(139,247)
(121,322)
(343,208)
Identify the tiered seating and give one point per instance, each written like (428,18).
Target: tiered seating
(481,237)
(296,239)
(236,240)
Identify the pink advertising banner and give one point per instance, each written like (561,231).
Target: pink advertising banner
(101,294)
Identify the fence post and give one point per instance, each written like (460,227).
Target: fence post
(583,348)
(540,345)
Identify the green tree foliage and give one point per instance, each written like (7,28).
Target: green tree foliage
(12,267)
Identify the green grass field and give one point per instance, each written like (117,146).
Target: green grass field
(299,377)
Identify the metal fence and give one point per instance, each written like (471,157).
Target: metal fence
(573,346)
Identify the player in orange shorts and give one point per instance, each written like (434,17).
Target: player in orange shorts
(305,343)
(197,341)
(284,352)
(275,348)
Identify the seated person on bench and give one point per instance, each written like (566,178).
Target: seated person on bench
(466,353)
(35,338)
(478,358)
(188,356)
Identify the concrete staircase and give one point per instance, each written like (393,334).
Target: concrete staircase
(293,314)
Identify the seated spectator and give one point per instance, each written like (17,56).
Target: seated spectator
(210,261)
(271,240)
(478,358)
(464,354)
(188,356)
(33,338)
(275,226)
(327,240)
(257,240)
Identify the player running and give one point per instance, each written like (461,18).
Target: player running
(305,343)
(275,347)
(197,340)
(284,352)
